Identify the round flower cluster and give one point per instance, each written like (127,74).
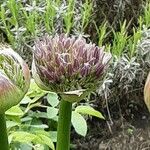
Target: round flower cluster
(14,79)
(64,63)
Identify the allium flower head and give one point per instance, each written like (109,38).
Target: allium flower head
(64,63)
(147,92)
(14,79)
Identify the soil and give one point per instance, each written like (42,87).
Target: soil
(128,130)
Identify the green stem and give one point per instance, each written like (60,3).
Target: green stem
(3,133)
(64,125)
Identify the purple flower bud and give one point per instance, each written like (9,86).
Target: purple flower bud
(67,43)
(85,70)
(99,70)
(14,79)
(69,70)
(76,64)
(64,59)
(147,92)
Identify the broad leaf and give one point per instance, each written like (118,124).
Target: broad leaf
(26,100)
(11,124)
(53,136)
(44,139)
(52,112)
(25,137)
(79,123)
(14,111)
(89,111)
(34,90)
(52,99)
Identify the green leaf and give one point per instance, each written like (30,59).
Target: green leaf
(37,97)
(14,111)
(45,140)
(42,126)
(34,90)
(79,123)
(40,147)
(39,114)
(37,132)
(52,112)
(11,124)
(14,118)
(89,111)
(25,146)
(53,136)
(23,137)
(52,99)
(25,100)
(26,119)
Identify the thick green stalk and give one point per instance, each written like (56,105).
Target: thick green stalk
(3,133)
(64,125)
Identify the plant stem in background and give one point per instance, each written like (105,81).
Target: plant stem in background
(64,125)
(3,133)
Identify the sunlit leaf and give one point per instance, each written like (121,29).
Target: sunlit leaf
(89,111)
(53,136)
(14,111)
(79,123)
(25,100)
(45,140)
(52,99)
(23,137)
(11,124)
(52,112)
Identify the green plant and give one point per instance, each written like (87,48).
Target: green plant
(86,13)
(78,121)
(26,118)
(72,69)
(21,23)
(135,38)
(102,33)
(24,121)
(120,40)
(146,16)
(15,80)
(68,16)
(49,16)
(132,42)
(117,11)
(6,27)
(14,8)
